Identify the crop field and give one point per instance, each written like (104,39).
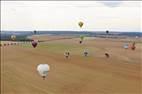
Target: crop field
(95,74)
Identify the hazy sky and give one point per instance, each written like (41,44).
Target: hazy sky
(65,15)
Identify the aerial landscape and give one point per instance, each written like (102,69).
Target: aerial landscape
(65,58)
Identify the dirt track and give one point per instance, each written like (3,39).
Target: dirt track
(96,74)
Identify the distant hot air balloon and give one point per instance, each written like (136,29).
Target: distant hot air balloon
(86,52)
(107,55)
(80,41)
(67,54)
(137,37)
(125,46)
(35,31)
(34,43)
(82,37)
(80,24)
(43,70)
(107,31)
(133,47)
(13,37)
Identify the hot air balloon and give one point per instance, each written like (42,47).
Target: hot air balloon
(107,55)
(80,24)
(43,70)
(137,37)
(86,52)
(34,43)
(67,54)
(133,47)
(80,41)
(13,37)
(82,37)
(107,31)
(125,46)
(35,31)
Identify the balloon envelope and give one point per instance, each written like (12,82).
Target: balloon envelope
(13,37)
(34,43)
(107,31)
(125,46)
(80,24)
(107,55)
(86,52)
(137,37)
(133,47)
(82,37)
(43,69)
(35,32)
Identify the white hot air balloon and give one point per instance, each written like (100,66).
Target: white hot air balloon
(137,37)
(126,46)
(86,52)
(43,70)
(13,37)
(67,54)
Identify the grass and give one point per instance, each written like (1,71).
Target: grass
(57,47)
(77,75)
(60,48)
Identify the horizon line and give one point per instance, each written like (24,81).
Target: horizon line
(65,31)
